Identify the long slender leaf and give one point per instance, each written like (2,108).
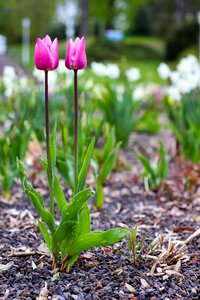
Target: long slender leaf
(58,192)
(70,211)
(99,196)
(62,233)
(94,239)
(46,235)
(83,172)
(109,163)
(27,186)
(45,214)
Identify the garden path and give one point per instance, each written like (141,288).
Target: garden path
(6,60)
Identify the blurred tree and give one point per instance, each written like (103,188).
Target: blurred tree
(40,12)
(170,14)
(84,20)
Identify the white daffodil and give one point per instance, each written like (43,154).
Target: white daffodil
(164,71)
(133,74)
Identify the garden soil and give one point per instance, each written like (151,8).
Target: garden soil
(166,218)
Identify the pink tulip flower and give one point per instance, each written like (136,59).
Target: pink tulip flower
(76,56)
(46,54)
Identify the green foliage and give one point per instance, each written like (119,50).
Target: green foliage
(154,173)
(104,164)
(185,123)
(118,110)
(73,233)
(39,12)
(136,246)
(13,143)
(182,38)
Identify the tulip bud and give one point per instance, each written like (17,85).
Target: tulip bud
(46,54)
(76,56)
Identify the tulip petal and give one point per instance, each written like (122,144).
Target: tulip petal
(43,58)
(54,52)
(70,53)
(76,42)
(80,60)
(47,41)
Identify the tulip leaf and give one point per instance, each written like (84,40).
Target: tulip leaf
(99,195)
(70,211)
(45,214)
(27,186)
(46,235)
(63,232)
(110,142)
(58,192)
(83,172)
(94,239)
(67,172)
(109,163)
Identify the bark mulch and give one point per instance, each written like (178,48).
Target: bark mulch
(173,215)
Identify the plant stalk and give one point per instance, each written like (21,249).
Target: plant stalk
(49,175)
(75,130)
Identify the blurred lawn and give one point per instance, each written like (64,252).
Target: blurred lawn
(144,53)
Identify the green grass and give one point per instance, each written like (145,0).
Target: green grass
(144,53)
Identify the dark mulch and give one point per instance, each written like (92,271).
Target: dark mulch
(104,273)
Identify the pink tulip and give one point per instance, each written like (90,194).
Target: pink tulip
(46,54)
(76,56)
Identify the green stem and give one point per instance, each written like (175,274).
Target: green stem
(75,130)
(48,143)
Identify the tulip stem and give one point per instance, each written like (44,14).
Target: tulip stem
(47,142)
(75,130)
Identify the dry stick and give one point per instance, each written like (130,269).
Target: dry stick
(19,254)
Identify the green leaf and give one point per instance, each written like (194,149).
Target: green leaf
(82,226)
(94,239)
(70,211)
(58,192)
(99,195)
(109,163)
(146,164)
(110,142)
(83,172)
(162,164)
(62,233)
(26,184)
(46,235)
(67,172)
(45,214)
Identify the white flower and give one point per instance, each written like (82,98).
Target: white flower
(98,69)
(173,93)
(52,79)
(61,67)
(110,70)
(187,64)
(39,75)
(133,74)
(9,72)
(164,71)
(139,93)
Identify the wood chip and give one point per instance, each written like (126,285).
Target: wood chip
(6,266)
(144,283)
(43,295)
(118,271)
(130,288)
